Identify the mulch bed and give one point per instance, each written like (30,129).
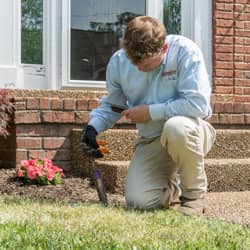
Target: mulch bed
(73,188)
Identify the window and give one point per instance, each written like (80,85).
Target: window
(95,32)
(92,29)
(172,16)
(32,31)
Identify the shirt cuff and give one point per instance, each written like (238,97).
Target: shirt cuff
(157,111)
(97,124)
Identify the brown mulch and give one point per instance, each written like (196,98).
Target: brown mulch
(73,188)
(229,206)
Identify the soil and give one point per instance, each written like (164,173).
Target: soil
(73,188)
(229,206)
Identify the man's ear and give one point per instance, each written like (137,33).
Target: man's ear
(165,48)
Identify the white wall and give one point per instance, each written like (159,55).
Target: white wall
(8,43)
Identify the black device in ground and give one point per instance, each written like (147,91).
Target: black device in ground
(117,109)
(96,175)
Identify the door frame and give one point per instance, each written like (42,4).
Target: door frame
(51,51)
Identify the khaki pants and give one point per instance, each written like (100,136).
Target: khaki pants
(177,156)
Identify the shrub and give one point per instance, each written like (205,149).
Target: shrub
(6,112)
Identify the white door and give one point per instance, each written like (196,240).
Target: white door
(32,73)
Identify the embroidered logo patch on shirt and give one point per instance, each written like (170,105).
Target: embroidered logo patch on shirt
(168,73)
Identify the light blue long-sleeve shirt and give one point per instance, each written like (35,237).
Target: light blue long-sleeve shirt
(179,86)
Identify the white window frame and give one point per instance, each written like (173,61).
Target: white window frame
(196,25)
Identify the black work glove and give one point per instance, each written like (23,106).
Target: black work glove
(89,143)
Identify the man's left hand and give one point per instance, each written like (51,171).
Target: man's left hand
(138,114)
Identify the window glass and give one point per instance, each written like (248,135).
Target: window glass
(172,16)
(96,29)
(32,31)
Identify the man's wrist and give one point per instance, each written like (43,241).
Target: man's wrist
(157,111)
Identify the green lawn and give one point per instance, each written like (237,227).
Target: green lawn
(29,224)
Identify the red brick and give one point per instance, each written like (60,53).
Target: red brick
(239,74)
(56,104)
(58,116)
(214,119)
(224,6)
(224,40)
(238,119)
(247,58)
(24,117)
(241,98)
(223,81)
(246,41)
(69,104)
(62,155)
(242,16)
(224,1)
(246,91)
(223,90)
(224,56)
(243,33)
(238,8)
(92,104)
(218,107)
(223,31)
(223,65)
(225,119)
(242,1)
(247,119)
(223,73)
(28,142)
(247,8)
(20,105)
(44,103)
(37,130)
(239,40)
(238,90)
(21,154)
(81,117)
(238,107)
(242,82)
(82,104)
(55,143)
(224,23)
(239,24)
(242,49)
(247,107)
(228,107)
(224,48)
(240,65)
(32,103)
(223,15)
(238,58)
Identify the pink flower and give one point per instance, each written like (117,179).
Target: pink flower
(40,171)
(24,163)
(19,173)
(31,173)
(51,174)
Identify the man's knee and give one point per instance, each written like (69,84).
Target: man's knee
(142,200)
(174,130)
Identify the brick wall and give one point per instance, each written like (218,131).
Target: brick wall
(43,124)
(231,62)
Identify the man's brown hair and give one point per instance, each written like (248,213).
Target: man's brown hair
(144,37)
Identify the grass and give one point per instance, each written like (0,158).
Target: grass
(32,224)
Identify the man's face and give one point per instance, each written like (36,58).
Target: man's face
(150,63)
